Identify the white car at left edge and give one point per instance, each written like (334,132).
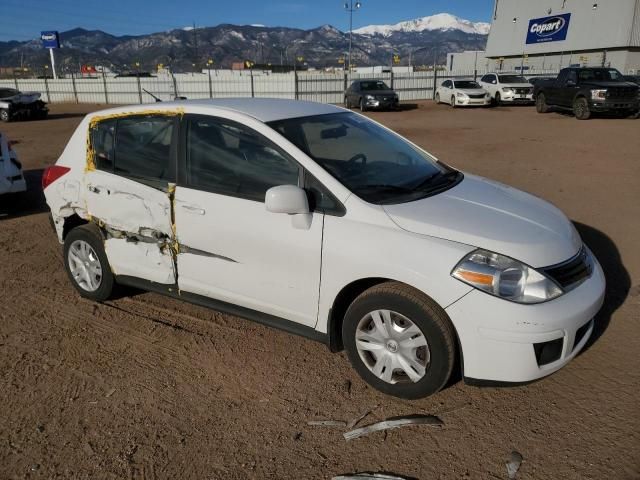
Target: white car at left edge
(11,177)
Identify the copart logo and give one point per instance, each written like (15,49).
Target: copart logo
(48,37)
(548,27)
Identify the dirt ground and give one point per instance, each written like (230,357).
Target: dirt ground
(146,387)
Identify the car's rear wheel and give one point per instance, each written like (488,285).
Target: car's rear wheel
(399,341)
(4,115)
(581,109)
(86,263)
(541,104)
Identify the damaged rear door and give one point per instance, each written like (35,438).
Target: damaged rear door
(129,187)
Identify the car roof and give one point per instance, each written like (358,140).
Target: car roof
(263,109)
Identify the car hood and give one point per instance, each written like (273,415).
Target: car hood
(486,214)
(516,85)
(385,93)
(596,84)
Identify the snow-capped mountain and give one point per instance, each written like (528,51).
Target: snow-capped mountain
(441,21)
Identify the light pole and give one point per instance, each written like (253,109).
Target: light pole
(351,7)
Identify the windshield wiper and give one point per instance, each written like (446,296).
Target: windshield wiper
(383,186)
(429,182)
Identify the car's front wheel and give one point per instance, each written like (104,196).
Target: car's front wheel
(498,99)
(86,263)
(363,107)
(437,98)
(4,115)
(453,102)
(581,109)
(541,104)
(399,341)
(346,102)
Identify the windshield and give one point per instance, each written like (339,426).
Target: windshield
(512,79)
(374,163)
(600,75)
(373,85)
(465,84)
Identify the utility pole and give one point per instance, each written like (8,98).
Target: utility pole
(351,7)
(195,44)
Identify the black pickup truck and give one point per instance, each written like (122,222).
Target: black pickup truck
(586,91)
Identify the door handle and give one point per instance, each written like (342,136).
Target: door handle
(193,209)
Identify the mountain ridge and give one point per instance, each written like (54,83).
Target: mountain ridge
(422,40)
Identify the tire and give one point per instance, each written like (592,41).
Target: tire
(76,253)
(437,98)
(399,303)
(541,104)
(581,109)
(498,99)
(4,115)
(453,102)
(363,107)
(346,102)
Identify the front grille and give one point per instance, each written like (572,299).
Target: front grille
(572,272)
(622,92)
(476,95)
(383,98)
(523,91)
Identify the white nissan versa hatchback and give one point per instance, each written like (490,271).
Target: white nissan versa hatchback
(319,221)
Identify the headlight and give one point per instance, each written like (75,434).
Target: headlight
(487,95)
(505,277)
(369,97)
(461,95)
(599,94)
(507,89)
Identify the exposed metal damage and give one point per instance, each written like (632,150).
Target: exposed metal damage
(143,243)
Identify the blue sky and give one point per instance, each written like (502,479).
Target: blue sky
(24,19)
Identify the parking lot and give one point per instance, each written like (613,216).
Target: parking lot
(146,387)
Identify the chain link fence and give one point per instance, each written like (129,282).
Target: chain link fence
(317,87)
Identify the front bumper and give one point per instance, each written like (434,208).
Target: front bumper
(470,102)
(381,104)
(623,105)
(507,97)
(501,341)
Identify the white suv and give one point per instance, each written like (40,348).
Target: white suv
(508,88)
(319,221)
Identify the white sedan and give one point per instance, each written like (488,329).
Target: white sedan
(462,93)
(11,177)
(319,221)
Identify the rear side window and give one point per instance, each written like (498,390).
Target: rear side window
(103,140)
(143,147)
(227,158)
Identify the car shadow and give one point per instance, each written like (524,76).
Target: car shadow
(58,116)
(25,203)
(405,107)
(616,275)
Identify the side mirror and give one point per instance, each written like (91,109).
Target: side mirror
(287,199)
